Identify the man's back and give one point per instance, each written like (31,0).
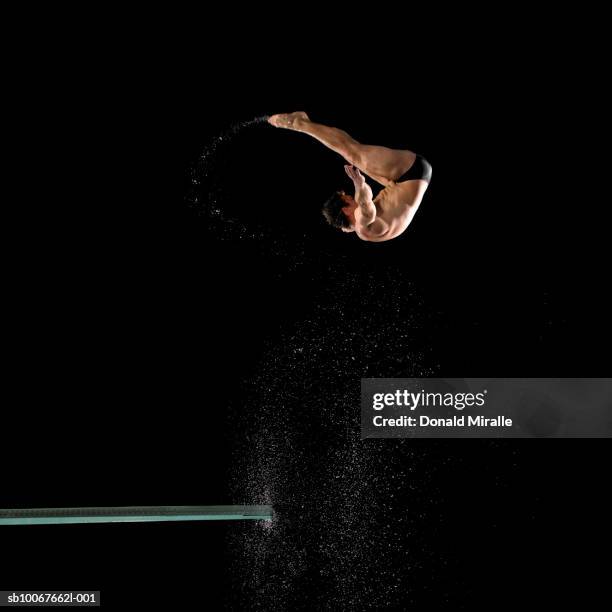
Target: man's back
(396,205)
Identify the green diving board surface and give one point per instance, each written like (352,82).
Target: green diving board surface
(133,514)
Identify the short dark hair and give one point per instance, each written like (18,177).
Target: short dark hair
(333,213)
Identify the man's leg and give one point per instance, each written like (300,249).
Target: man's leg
(381,163)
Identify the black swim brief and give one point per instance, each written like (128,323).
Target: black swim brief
(421,169)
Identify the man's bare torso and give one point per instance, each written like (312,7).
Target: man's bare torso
(396,205)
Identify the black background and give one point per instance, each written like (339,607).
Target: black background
(131,325)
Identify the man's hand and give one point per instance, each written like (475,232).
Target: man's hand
(355,175)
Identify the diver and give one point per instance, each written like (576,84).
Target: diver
(404,175)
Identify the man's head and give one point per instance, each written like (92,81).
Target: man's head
(339,211)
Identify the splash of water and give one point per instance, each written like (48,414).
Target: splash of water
(207,195)
(298,444)
(206,192)
(298,447)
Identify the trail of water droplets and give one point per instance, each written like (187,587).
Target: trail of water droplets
(339,529)
(342,530)
(206,192)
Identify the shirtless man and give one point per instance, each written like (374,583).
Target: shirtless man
(404,175)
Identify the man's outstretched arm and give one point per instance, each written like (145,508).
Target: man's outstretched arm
(363,196)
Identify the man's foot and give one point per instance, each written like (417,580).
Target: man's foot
(289,121)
